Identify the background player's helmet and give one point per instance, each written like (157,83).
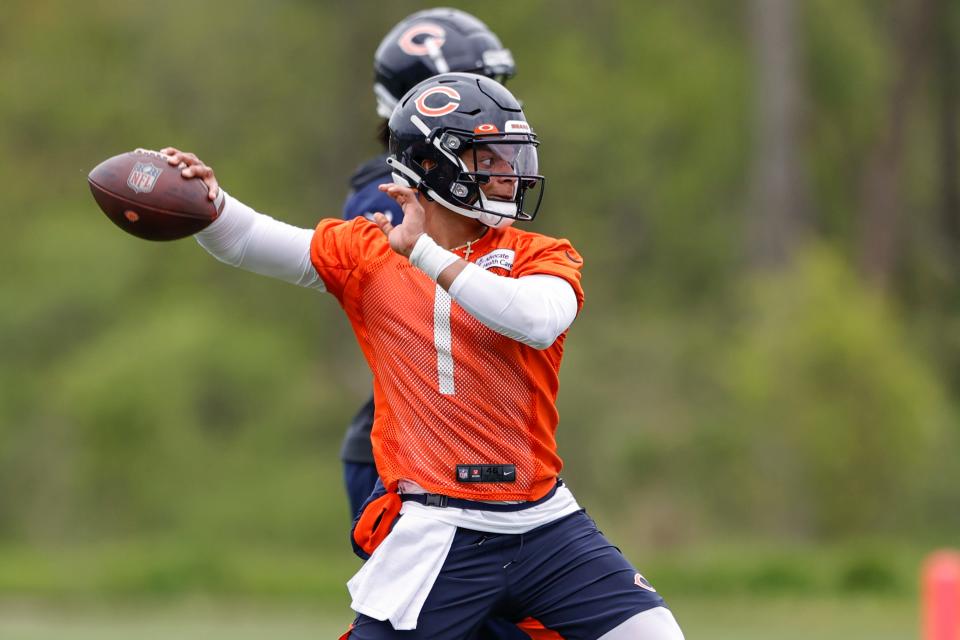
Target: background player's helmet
(431,42)
(446,117)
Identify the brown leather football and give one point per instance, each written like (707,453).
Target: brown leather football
(146,197)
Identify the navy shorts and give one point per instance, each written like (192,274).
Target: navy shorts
(565,574)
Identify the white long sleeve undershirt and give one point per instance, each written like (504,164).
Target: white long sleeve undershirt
(244,238)
(533,309)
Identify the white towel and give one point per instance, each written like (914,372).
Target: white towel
(395,582)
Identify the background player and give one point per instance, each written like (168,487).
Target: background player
(419,46)
(466,415)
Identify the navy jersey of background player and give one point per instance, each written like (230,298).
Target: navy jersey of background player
(365,198)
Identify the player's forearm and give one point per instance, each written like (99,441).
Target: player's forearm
(243,238)
(533,310)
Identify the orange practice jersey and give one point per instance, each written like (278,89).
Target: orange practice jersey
(448,390)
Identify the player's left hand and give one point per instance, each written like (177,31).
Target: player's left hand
(403,236)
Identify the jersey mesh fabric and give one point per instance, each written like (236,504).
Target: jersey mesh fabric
(500,407)
(364,199)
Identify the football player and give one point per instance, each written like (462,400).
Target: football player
(462,319)
(421,45)
(418,47)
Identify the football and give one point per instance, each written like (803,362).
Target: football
(148,198)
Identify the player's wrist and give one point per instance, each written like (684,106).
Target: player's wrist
(430,257)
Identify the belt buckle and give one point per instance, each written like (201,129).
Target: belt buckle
(435,500)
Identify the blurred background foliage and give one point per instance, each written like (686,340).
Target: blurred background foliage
(766,195)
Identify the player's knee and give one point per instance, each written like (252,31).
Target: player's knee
(653,624)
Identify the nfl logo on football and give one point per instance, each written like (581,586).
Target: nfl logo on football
(143,177)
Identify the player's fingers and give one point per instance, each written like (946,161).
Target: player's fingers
(173,155)
(205,173)
(213,187)
(209,178)
(181,159)
(403,199)
(381,221)
(398,193)
(388,189)
(198,170)
(190,158)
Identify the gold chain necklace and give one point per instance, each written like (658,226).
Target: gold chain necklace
(469,245)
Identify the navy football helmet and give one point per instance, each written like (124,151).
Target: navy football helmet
(431,42)
(463,140)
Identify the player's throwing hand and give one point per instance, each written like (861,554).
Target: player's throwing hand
(403,236)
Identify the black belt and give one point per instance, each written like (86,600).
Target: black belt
(440,500)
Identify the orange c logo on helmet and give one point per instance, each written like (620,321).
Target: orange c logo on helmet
(435,112)
(408,39)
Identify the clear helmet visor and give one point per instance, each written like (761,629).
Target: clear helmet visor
(505,170)
(501,165)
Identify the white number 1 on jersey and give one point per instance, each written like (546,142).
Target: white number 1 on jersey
(442,340)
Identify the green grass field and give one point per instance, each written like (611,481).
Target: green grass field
(709,619)
(797,619)
(169,591)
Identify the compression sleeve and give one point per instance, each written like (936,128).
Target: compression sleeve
(532,309)
(243,238)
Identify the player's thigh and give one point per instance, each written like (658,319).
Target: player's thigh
(576,583)
(469,585)
(653,624)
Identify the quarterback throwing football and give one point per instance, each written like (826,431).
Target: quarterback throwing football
(419,46)
(462,319)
